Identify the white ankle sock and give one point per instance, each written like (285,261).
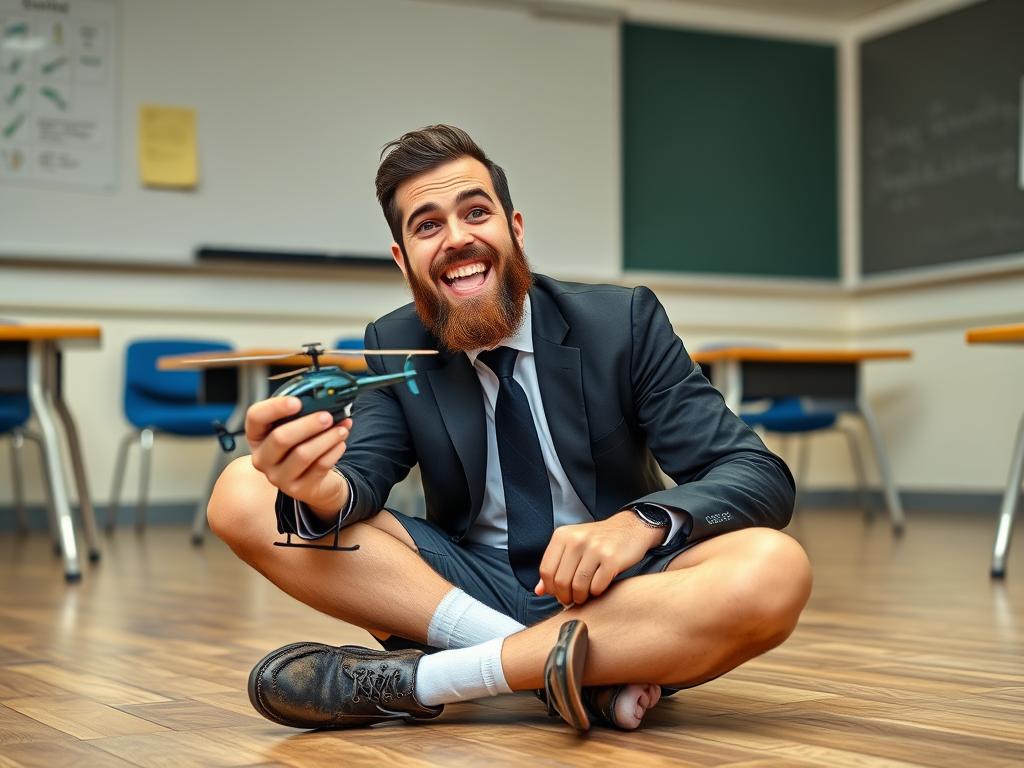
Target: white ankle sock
(461,675)
(461,621)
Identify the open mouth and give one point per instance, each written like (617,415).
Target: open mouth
(467,277)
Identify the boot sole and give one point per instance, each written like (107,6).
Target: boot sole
(563,674)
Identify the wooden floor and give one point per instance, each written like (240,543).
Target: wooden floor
(907,655)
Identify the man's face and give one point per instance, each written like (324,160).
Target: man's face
(463,260)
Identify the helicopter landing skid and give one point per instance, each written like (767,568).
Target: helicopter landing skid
(331,547)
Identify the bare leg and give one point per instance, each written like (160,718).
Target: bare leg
(720,604)
(369,587)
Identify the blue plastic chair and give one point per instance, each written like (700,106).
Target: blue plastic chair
(14,413)
(798,418)
(158,401)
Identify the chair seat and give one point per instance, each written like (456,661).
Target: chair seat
(14,411)
(177,420)
(789,416)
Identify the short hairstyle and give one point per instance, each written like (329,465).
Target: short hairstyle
(424,150)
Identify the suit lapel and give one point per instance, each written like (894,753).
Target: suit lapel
(457,391)
(560,377)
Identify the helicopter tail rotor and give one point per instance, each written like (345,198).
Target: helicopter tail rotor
(410,372)
(226,438)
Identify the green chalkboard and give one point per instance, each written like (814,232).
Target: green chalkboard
(729,154)
(942,181)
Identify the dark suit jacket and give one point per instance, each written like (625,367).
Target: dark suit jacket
(618,387)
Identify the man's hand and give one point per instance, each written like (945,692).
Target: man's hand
(581,560)
(298,457)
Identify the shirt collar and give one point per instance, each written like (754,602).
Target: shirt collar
(522,339)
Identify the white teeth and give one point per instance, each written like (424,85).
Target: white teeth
(464,271)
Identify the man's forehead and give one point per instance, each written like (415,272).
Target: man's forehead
(443,182)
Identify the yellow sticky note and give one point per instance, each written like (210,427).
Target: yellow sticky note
(167,147)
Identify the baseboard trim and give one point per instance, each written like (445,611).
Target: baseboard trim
(180,513)
(960,502)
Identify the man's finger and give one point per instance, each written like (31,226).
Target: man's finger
(280,442)
(261,415)
(583,577)
(602,579)
(564,575)
(305,456)
(548,565)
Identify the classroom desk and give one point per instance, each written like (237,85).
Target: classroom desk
(829,376)
(253,385)
(1005,334)
(31,355)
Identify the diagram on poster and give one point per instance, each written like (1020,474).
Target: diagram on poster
(57,93)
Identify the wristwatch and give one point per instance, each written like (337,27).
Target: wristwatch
(652,515)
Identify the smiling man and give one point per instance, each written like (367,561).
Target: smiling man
(552,558)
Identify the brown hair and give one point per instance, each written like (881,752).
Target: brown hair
(424,150)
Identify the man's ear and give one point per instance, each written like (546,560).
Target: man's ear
(517,229)
(396,254)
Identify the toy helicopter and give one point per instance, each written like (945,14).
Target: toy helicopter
(327,388)
(323,388)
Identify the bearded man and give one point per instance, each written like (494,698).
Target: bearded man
(552,557)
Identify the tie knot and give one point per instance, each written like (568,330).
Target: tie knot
(501,360)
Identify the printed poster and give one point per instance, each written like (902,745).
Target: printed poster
(57,95)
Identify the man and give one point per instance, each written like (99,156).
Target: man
(552,556)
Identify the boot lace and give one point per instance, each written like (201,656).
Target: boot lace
(378,684)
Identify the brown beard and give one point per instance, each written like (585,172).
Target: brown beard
(479,321)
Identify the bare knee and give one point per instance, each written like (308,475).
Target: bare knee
(241,495)
(770,586)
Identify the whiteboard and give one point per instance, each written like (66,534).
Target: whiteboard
(294,102)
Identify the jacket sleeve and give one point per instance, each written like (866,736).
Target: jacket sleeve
(726,478)
(380,451)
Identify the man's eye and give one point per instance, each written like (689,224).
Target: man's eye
(477,213)
(427,226)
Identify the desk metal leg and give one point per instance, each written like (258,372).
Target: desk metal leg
(732,385)
(17,446)
(1010,500)
(78,466)
(858,470)
(43,408)
(892,498)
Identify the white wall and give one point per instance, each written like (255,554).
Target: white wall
(948,414)
(296,99)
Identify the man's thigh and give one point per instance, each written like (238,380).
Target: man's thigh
(747,544)
(481,572)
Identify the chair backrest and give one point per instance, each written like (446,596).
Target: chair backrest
(14,408)
(142,378)
(14,411)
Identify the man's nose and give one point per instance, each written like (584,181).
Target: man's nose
(459,235)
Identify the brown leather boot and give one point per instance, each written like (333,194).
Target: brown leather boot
(312,685)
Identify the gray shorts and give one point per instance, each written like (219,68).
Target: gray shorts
(484,573)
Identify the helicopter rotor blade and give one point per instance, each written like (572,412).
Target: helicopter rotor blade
(287,374)
(242,359)
(362,352)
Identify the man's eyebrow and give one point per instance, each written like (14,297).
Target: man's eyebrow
(460,198)
(475,192)
(425,208)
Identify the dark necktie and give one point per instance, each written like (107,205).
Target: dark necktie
(523,472)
